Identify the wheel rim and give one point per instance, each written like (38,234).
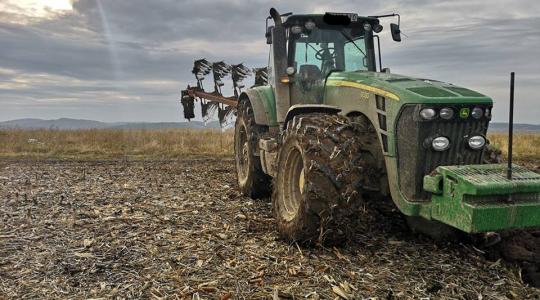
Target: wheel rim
(293,185)
(242,154)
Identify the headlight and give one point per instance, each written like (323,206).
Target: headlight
(446,113)
(440,143)
(477,142)
(310,25)
(428,114)
(488,113)
(296,29)
(477,113)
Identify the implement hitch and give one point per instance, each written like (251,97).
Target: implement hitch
(475,198)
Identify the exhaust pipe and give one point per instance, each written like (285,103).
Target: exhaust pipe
(276,17)
(279,45)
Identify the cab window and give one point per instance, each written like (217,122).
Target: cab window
(355,57)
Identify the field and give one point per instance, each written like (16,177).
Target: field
(156,214)
(171,143)
(108,144)
(526,148)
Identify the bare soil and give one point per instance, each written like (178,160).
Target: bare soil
(180,230)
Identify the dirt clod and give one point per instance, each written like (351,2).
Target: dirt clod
(521,247)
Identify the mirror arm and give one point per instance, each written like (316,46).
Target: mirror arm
(387,16)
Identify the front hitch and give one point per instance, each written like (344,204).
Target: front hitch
(480,198)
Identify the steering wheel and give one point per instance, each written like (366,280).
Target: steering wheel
(320,55)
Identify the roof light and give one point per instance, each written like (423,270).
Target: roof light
(310,25)
(367,27)
(377,28)
(296,29)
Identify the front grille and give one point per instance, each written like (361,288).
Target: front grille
(415,160)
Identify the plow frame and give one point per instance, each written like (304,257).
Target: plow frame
(211,101)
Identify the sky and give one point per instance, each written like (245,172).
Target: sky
(127,60)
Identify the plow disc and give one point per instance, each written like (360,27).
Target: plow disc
(213,101)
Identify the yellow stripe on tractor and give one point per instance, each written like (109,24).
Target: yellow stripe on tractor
(364,87)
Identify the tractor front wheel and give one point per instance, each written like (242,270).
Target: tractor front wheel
(316,191)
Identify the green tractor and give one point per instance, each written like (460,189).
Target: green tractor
(331,126)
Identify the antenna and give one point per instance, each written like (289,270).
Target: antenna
(510,127)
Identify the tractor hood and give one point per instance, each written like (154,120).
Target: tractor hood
(406,89)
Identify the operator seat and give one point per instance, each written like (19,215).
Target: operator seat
(309,76)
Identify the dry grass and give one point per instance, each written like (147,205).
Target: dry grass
(107,143)
(169,143)
(526,146)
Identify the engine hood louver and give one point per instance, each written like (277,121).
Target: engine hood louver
(431,91)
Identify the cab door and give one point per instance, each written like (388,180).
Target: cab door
(312,63)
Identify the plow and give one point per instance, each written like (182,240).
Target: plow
(326,125)
(213,101)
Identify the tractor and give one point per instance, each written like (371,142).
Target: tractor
(329,125)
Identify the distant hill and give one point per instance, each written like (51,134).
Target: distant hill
(166,125)
(74,124)
(503,127)
(63,123)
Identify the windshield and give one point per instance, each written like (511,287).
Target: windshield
(324,50)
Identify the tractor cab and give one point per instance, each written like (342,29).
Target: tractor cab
(320,44)
(310,47)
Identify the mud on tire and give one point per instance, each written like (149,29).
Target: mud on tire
(252,181)
(316,191)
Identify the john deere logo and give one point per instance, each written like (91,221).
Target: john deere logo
(464,113)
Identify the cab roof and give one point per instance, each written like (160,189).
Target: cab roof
(340,19)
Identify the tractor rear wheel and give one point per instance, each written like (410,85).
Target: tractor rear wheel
(252,181)
(316,191)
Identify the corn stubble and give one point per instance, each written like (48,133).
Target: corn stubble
(173,225)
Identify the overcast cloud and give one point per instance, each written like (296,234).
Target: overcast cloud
(126,60)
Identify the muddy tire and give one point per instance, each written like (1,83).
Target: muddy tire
(316,191)
(252,181)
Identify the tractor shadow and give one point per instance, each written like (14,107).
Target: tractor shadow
(518,247)
(381,228)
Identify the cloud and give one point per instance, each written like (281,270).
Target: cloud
(127,60)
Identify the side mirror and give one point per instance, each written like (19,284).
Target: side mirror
(396,32)
(268,35)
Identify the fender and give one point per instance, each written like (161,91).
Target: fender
(299,109)
(263,102)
